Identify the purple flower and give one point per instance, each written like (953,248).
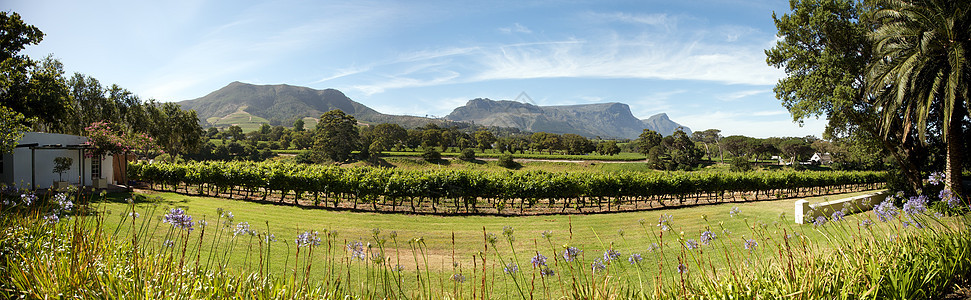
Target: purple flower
(611,254)
(307,239)
(538,261)
(511,268)
(571,253)
(734,212)
(691,244)
(706,237)
(916,205)
(168,243)
(820,221)
(52,219)
(635,258)
(242,228)
(866,223)
(936,178)
(62,201)
(663,221)
(750,244)
(178,219)
(357,250)
(546,272)
(458,278)
(28,198)
(838,215)
(682,268)
(948,197)
(598,265)
(885,211)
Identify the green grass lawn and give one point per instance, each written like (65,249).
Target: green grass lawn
(593,233)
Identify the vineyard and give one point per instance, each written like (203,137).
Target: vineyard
(484,192)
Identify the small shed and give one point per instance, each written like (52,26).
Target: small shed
(821,158)
(31,164)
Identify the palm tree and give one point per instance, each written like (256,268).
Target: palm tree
(921,71)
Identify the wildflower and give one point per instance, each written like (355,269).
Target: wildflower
(663,221)
(820,221)
(134,215)
(635,258)
(178,219)
(546,272)
(398,268)
(598,265)
(611,254)
(491,238)
(28,198)
(691,244)
(507,231)
(682,268)
(538,260)
(307,239)
(916,205)
(269,238)
(62,201)
(458,278)
(52,219)
(750,244)
(357,250)
(936,178)
(653,247)
(202,223)
(168,243)
(838,215)
(241,228)
(866,223)
(511,268)
(571,253)
(706,237)
(734,212)
(948,197)
(885,210)
(547,234)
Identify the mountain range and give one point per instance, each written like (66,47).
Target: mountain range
(249,105)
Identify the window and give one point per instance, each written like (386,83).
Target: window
(95,168)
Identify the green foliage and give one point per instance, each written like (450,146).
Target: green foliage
(336,136)
(61,165)
(11,129)
(431,155)
(608,148)
(468,154)
(740,164)
(507,162)
(648,140)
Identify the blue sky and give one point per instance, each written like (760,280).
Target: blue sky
(701,62)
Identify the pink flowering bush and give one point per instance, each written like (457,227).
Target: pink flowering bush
(107,140)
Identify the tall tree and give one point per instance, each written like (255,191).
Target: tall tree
(924,67)
(337,135)
(11,129)
(824,50)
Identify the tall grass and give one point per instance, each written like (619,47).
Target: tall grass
(52,248)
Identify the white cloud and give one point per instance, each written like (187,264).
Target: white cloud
(740,94)
(516,28)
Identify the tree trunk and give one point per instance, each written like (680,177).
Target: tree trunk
(955,159)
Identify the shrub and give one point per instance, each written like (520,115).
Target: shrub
(740,164)
(507,162)
(431,155)
(467,155)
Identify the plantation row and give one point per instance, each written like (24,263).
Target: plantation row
(471,190)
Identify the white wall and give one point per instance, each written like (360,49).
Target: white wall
(18,173)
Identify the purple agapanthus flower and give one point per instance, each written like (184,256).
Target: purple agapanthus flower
(511,268)
(691,244)
(598,265)
(307,239)
(948,197)
(635,258)
(571,253)
(178,219)
(750,244)
(886,210)
(936,178)
(706,237)
(916,205)
(611,254)
(538,261)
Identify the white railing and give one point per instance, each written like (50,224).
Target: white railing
(807,213)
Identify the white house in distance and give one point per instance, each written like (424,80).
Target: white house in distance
(821,158)
(31,164)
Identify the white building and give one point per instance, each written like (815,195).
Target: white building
(821,158)
(31,164)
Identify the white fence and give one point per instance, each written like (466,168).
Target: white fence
(806,213)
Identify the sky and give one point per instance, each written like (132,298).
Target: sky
(700,61)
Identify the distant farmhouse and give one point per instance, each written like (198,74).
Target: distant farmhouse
(31,164)
(821,158)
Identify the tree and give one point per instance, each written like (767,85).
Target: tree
(608,148)
(576,144)
(298,125)
(824,50)
(710,136)
(924,66)
(11,129)
(337,135)
(484,139)
(738,145)
(235,132)
(647,140)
